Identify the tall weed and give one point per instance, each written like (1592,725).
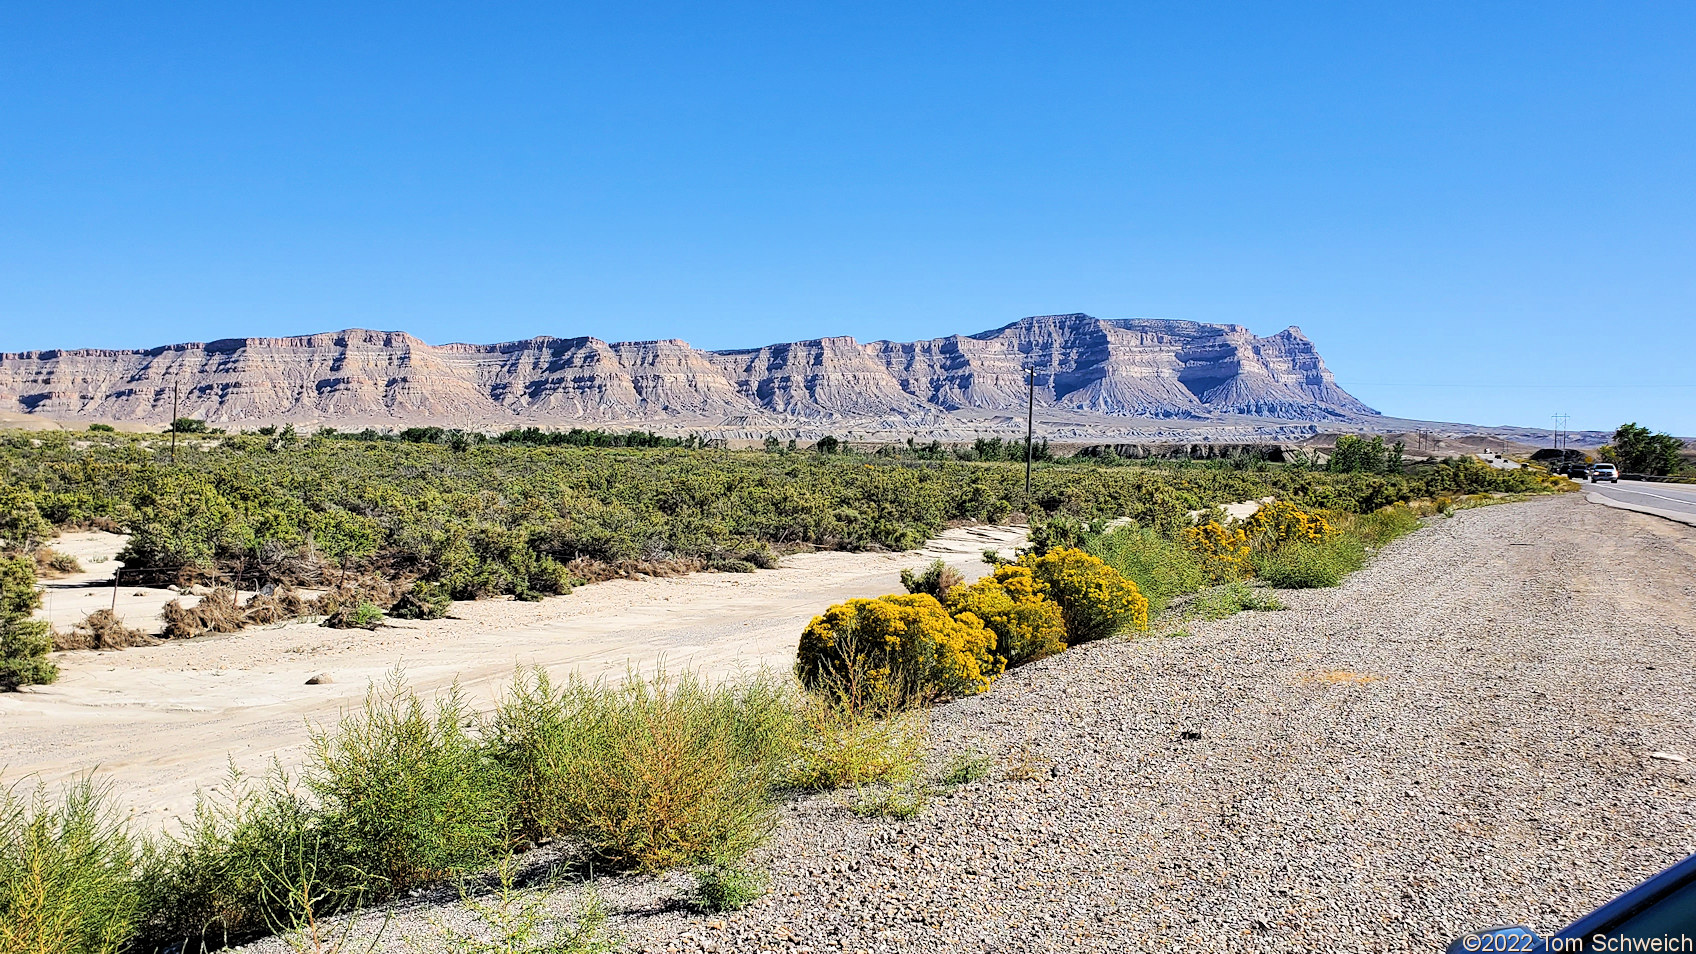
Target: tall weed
(68,873)
(237,866)
(647,774)
(1162,568)
(408,796)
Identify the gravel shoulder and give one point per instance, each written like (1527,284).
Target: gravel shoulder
(1460,736)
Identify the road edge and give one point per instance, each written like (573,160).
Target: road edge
(1688,519)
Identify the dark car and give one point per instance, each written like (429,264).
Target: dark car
(1657,915)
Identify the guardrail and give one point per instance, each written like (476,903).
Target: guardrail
(1659,480)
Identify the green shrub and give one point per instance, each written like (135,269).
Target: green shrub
(1016,608)
(1161,568)
(232,872)
(905,641)
(102,429)
(68,873)
(423,601)
(1096,599)
(24,642)
(361,615)
(1381,526)
(648,774)
(407,796)
(900,802)
(937,579)
(21,523)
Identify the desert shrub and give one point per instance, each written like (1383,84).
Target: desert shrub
(1303,565)
(68,873)
(1015,607)
(1095,599)
(647,774)
(423,601)
(232,871)
(1278,523)
(102,629)
(907,641)
(1161,568)
(52,563)
(408,796)
(1058,532)
(728,886)
(1223,551)
(937,579)
(744,560)
(355,616)
(21,524)
(24,642)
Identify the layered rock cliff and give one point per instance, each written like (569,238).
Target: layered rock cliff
(1127,368)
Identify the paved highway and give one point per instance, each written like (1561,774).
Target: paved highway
(1675,501)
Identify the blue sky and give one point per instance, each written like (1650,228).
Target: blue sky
(1479,211)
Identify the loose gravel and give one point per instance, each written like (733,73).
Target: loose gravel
(1458,737)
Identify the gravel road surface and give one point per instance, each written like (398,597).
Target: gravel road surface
(1465,734)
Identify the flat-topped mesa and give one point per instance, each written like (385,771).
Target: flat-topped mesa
(1133,367)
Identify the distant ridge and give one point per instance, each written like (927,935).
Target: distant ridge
(1134,372)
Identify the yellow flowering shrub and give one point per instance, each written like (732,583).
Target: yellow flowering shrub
(906,644)
(1223,550)
(1014,606)
(1095,599)
(1279,522)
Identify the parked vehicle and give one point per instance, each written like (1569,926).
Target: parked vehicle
(1601,472)
(1661,910)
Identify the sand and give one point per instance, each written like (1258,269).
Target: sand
(159,722)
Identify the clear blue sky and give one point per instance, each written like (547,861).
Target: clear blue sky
(1441,196)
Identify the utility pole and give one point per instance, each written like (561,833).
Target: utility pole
(1560,430)
(1030,417)
(173,423)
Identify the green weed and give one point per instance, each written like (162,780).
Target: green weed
(728,886)
(900,802)
(408,795)
(649,774)
(966,767)
(68,873)
(1161,568)
(1230,599)
(517,921)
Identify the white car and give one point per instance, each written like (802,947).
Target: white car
(1601,472)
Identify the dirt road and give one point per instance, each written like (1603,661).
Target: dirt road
(160,721)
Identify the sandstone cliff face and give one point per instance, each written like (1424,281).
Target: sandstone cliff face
(1136,368)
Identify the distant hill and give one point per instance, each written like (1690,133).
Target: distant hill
(1123,375)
